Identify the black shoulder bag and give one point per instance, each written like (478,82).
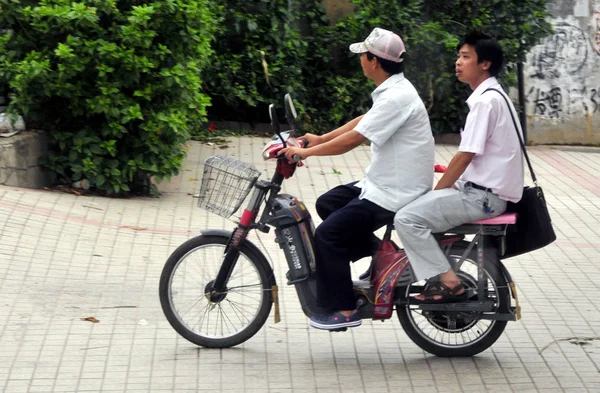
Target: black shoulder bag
(533,229)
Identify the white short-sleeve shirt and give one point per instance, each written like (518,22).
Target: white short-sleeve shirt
(402,146)
(490,133)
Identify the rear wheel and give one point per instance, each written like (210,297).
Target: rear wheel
(203,316)
(456,334)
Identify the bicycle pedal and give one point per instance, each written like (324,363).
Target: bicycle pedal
(339,330)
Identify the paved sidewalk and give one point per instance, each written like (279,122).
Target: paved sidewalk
(64,258)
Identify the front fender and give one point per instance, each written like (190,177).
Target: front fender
(217,232)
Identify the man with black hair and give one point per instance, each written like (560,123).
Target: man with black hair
(401,170)
(485,173)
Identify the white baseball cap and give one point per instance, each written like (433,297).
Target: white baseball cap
(382,43)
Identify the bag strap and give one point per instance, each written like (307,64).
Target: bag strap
(518,134)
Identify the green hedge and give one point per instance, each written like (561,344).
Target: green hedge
(308,57)
(115,83)
(120,85)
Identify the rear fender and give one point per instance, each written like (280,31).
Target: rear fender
(513,290)
(507,277)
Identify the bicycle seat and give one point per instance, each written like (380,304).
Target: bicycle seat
(491,226)
(502,219)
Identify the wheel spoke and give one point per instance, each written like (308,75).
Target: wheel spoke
(482,322)
(193,305)
(201,319)
(437,331)
(251,296)
(238,311)
(258,285)
(467,332)
(239,306)
(226,319)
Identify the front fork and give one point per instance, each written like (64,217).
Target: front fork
(232,254)
(247,222)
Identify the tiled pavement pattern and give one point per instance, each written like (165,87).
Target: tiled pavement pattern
(64,258)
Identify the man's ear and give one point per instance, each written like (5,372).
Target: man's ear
(485,66)
(377,64)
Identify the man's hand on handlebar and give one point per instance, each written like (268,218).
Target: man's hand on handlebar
(313,140)
(293,154)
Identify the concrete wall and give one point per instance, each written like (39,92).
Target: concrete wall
(562,77)
(19,160)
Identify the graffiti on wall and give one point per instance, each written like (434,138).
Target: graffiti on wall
(546,102)
(565,52)
(555,102)
(561,70)
(562,76)
(595,32)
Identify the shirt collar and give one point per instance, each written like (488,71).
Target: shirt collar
(389,82)
(489,82)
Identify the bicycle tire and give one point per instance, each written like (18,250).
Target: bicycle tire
(173,313)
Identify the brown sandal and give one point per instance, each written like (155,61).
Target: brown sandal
(447,294)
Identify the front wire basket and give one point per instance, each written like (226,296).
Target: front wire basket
(226,182)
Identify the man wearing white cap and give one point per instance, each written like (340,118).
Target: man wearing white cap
(401,170)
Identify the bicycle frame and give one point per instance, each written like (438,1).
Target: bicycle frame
(294,231)
(226,184)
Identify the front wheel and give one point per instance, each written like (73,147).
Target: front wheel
(196,311)
(460,334)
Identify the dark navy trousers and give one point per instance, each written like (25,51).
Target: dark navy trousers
(346,234)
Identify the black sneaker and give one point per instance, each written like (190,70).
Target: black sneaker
(335,321)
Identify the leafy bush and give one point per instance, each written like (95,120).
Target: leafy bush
(309,57)
(115,83)
(262,52)
(516,24)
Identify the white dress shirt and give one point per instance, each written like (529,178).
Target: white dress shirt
(402,146)
(490,133)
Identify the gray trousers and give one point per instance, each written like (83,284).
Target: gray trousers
(435,212)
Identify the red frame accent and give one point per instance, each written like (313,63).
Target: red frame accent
(437,168)
(274,149)
(247,218)
(388,266)
(285,169)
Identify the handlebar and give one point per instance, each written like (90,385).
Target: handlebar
(296,157)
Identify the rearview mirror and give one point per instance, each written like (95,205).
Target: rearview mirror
(274,119)
(290,110)
(275,123)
